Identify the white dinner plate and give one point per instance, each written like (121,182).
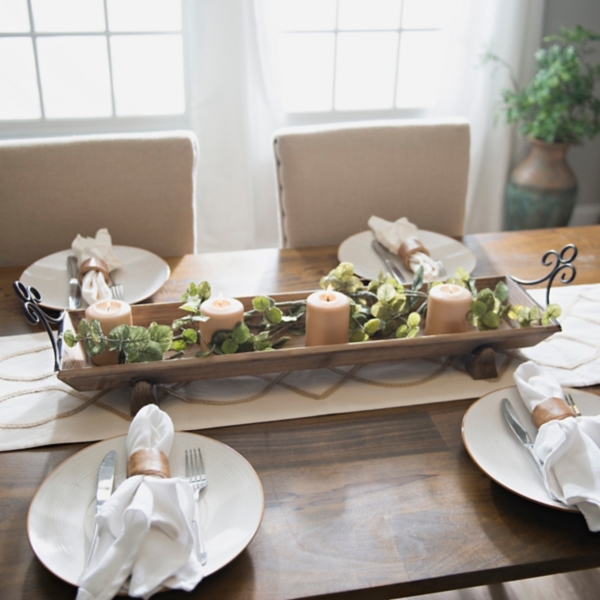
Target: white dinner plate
(496,450)
(142,274)
(60,519)
(357,250)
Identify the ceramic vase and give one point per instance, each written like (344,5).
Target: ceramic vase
(542,189)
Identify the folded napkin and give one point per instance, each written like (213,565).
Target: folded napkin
(402,238)
(145,529)
(96,259)
(567,446)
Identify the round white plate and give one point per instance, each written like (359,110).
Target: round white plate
(497,451)
(59,523)
(357,250)
(142,274)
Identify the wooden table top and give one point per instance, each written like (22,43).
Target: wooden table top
(377,504)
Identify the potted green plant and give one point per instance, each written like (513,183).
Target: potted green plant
(556,110)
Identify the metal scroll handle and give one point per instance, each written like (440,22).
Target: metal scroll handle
(560,262)
(34,314)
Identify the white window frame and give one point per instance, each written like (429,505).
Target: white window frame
(43,127)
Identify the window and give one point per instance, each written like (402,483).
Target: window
(359,55)
(103,61)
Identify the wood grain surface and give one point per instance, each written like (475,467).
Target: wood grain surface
(369,505)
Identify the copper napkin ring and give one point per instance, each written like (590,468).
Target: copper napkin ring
(148,461)
(408,248)
(551,409)
(94,264)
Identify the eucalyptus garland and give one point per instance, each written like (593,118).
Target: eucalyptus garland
(380,309)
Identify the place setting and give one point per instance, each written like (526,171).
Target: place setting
(401,248)
(122,515)
(539,440)
(93,269)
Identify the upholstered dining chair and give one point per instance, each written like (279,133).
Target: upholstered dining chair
(333,178)
(139,186)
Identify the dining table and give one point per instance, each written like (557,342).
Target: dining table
(372,504)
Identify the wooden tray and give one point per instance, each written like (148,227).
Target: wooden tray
(77,371)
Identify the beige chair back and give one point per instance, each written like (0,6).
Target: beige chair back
(139,186)
(333,178)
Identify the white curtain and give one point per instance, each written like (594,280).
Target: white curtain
(512,29)
(235,110)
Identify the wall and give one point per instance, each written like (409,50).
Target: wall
(585,159)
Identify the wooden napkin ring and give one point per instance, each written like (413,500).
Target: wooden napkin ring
(551,409)
(93,264)
(148,461)
(408,248)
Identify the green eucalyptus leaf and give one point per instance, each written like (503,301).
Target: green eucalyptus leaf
(273,315)
(203,291)
(534,313)
(152,352)
(118,337)
(162,335)
(281,341)
(491,320)
(478,308)
(192,305)
(95,331)
(417,281)
(413,332)
(553,311)
(83,328)
(261,344)
(501,291)
(381,311)
(372,327)
(359,336)
(190,336)
(229,346)
(413,320)
(178,345)
(386,292)
(344,271)
(402,331)
(69,338)
(240,333)
(262,303)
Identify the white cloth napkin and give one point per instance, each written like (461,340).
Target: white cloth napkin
(391,235)
(569,449)
(145,528)
(93,285)
(571,356)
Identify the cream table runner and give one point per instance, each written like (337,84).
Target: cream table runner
(36,409)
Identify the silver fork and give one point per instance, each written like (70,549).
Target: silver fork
(572,404)
(118,293)
(196,476)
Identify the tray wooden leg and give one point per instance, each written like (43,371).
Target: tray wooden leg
(142,393)
(481,363)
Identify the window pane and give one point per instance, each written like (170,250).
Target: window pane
(14,16)
(419,68)
(144,15)
(306,71)
(365,70)
(148,74)
(66,16)
(374,14)
(304,15)
(75,76)
(425,14)
(19,98)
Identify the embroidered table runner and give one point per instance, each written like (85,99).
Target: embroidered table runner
(36,409)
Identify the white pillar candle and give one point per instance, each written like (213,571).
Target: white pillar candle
(327,318)
(110,313)
(222,313)
(447,309)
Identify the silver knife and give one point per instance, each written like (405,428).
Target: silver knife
(74,287)
(383,255)
(106,482)
(509,413)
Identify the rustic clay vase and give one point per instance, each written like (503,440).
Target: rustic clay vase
(542,189)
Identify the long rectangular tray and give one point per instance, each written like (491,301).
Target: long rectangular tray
(77,371)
